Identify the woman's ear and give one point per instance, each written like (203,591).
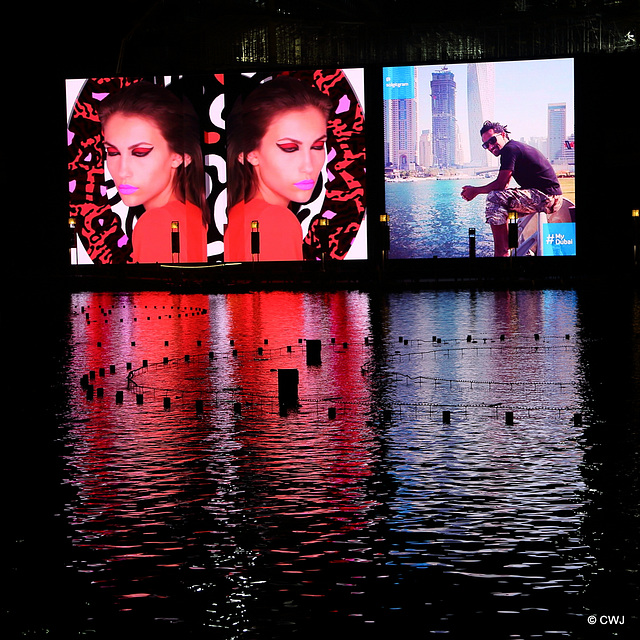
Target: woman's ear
(177,160)
(186,159)
(252,158)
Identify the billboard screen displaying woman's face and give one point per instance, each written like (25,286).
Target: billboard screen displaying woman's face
(203,169)
(479,159)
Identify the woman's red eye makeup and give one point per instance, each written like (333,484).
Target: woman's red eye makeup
(141,152)
(137,152)
(288,147)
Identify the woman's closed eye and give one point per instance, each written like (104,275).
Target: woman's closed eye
(141,152)
(291,147)
(288,147)
(137,152)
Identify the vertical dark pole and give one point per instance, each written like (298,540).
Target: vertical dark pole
(175,241)
(255,240)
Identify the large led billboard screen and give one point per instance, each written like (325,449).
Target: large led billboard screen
(160,170)
(479,159)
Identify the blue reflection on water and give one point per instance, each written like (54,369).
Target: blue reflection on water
(362,508)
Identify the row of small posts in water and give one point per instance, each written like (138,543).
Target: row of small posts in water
(288,399)
(288,380)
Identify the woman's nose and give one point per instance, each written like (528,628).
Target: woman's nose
(124,168)
(306,162)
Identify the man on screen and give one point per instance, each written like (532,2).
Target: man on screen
(539,190)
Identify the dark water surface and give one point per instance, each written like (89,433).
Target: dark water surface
(461,464)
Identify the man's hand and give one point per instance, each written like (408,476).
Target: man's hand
(469,192)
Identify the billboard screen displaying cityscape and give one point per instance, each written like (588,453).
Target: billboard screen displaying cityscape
(452,191)
(152,177)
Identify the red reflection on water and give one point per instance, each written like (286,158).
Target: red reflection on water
(139,468)
(310,464)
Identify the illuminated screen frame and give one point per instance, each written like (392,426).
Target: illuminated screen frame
(423,175)
(101,225)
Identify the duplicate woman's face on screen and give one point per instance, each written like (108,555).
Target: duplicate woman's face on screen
(290,156)
(140,161)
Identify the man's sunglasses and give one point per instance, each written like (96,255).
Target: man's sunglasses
(489,142)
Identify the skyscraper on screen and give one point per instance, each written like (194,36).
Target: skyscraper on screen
(443,117)
(481,106)
(400,117)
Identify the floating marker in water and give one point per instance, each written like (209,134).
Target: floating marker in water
(237,408)
(119,397)
(199,406)
(288,386)
(577,419)
(332,413)
(446,417)
(314,348)
(508,417)
(139,398)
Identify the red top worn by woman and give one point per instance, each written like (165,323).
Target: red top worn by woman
(151,236)
(280,232)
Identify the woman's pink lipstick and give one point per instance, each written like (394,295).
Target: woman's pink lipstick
(126,189)
(306,185)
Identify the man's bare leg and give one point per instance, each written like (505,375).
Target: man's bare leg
(500,240)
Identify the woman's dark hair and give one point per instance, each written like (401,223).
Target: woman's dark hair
(487,125)
(249,120)
(179,125)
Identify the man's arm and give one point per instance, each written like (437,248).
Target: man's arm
(499,184)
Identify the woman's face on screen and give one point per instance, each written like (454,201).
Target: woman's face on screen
(140,161)
(290,156)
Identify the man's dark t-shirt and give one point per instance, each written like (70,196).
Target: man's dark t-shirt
(530,168)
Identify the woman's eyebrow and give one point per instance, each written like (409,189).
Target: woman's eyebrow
(133,146)
(287,139)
